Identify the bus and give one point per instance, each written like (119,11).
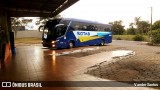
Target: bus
(69,33)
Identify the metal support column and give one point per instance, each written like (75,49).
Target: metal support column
(4,41)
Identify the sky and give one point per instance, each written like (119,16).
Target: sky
(106,11)
(32,25)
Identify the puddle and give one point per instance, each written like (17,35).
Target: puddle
(109,57)
(75,51)
(121,53)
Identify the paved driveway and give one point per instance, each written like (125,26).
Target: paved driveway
(35,63)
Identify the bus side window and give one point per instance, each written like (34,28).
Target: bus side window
(76,27)
(96,28)
(107,29)
(84,27)
(90,28)
(71,29)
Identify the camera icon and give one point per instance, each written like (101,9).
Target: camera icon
(6,84)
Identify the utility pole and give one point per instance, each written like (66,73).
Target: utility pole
(151,25)
(151,19)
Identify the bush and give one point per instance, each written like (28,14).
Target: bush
(155,36)
(118,38)
(138,38)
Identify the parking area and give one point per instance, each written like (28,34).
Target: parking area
(35,63)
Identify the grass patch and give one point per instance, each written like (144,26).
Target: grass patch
(129,37)
(28,40)
(123,37)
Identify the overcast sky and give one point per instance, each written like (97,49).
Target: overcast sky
(106,11)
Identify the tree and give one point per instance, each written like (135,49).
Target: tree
(155,33)
(142,27)
(131,30)
(43,20)
(156,25)
(131,25)
(18,21)
(155,37)
(137,19)
(117,27)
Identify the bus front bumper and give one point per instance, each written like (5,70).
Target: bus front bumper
(48,44)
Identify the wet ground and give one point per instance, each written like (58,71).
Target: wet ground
(35,63)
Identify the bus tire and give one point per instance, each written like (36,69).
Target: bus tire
(102,43)
(70,44)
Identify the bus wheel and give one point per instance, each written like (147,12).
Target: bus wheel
(102,43)
(70,45)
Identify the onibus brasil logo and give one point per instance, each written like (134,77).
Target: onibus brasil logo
(21,84)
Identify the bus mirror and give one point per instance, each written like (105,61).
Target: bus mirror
(41,28)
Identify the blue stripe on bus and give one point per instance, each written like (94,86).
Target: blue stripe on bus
(102,34)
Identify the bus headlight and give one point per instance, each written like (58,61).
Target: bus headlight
(53,42)
(53,45)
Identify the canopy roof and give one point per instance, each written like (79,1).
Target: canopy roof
(35,8)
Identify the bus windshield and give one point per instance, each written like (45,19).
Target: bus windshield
(60,30)
(54,32)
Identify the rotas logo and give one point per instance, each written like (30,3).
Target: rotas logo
(83,33)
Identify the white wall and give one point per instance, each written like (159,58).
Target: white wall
(29,33)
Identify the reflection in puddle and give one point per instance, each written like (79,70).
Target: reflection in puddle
(120,53)
(54,58)
(74,51)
